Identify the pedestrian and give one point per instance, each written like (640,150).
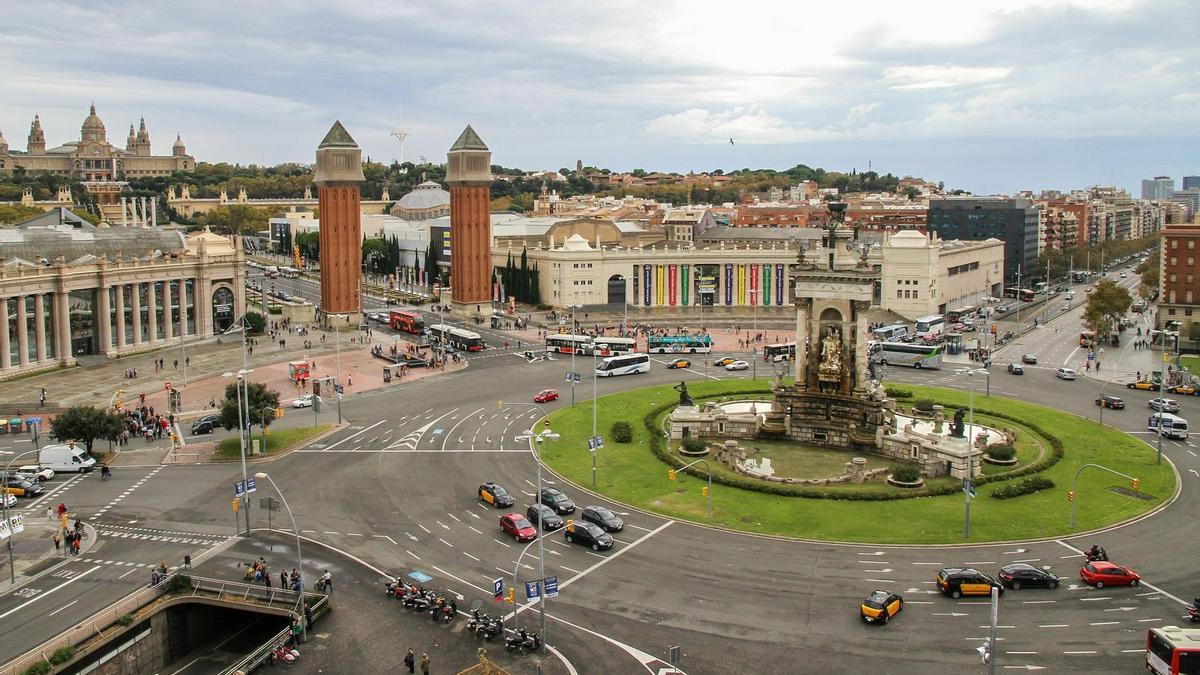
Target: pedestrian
(75,544)
(410,660)
(424,663)
(49,512)
(57,543)
(307,616)
(62,508)
(283,579)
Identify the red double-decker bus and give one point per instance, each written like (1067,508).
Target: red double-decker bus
(409,322)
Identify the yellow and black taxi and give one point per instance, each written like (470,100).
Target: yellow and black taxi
(957,582)
(724,361)
(21,487)
(1144,385)
(496,495)
(680,362)
(1184,390)
(880,606)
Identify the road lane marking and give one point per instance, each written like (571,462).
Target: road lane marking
(502,543)
(1148,620)
(1084,652)
(127,573)
(43,594)
(614,556)
(882,581)
(1038,602)
(928,563)
(570,569)
(445,542)
(412,554)
(1094,599)
(62,608)
(1055,625)
(456,518)
(474,530)
(1104,623)
(384,536)
(470,556)
(337,443)
(427,530)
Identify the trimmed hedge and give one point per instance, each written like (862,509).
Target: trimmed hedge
(1024,487)
(897,393)
(659,447)
(924,405)
(693,445)
(622,432)
(1001,451)
(906,473)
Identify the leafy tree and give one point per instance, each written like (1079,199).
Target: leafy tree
(310,244)
(256,322)
(261,405)
(1107,303)
(15,213)
(237,219)
(85,424)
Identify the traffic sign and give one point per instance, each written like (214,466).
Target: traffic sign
(339,389)
(595,443)
(533,590)
(16,523)
(498,588)
(573,377)
(968,487)
(238,488)
(250,486)
(551,587)
(1091,356)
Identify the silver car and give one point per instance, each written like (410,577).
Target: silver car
(1167,405)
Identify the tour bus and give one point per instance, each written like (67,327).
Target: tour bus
(785,351)
(679,344)
(564,343)
(1019,293)
(930,326)
(1079,277)
(968,312)
(289,272)
(905,354)
(271,272)
(1087,338)
(613,346)
(1041,287)
(629,364)
(893,333)
(456,337)
(1171,650)
(1173,426)
(408,322)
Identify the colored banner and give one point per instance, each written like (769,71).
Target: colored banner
(779,285)
(684,286)
(671,280)
(646,283)
(766,284)
(659,284)
(741,285)
(754,284)
(729,283)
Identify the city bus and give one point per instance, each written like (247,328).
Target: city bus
(905,354)
(629,364)
(613,346)
(1172,426)
(456,337)
(1171,650)
(956,315)
(564,343)
(893,333)
(781,352)
(408,322)
(679,344)
(930,326)
(1087,338)
(1023,294)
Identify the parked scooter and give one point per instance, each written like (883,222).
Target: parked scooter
(1193,611)
(1096,553)
(490,628)
(523,641)
(283,654)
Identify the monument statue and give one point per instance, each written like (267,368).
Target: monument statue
(684,399)
(829,371)
(957,427)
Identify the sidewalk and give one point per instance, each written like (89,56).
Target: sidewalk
(33,549)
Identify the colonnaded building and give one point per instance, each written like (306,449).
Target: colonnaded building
(73,290)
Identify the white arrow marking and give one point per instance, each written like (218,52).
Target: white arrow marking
(444,526)
(1197,473)
(949,614)
(874,562)
(1025,667)
(1120,609)
(875,553)
(885,570)
(1020,550)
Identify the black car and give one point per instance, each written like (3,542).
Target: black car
(1030,359)
(556,500)
(550,519)
(957,582)
(1114,402)
(587,534)
(1016,369)
(496,495)
(205,425)
(603,517)
(1020,575)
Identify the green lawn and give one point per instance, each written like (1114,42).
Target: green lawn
(630,473)
(1192,363)
(277,441)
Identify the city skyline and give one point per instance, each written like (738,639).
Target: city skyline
(985,100)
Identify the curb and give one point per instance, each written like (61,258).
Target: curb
(22,579)
(282,453)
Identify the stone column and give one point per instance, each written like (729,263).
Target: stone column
(169,327)
(62,326)
(104,310)
(803,308)
(120,293)
(204,325)
(39,325)
(5,359)
(183,307)
(152,302)
(136,297)
(861,336)
(22,333)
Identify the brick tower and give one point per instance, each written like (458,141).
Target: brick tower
(469,174)
(338,177)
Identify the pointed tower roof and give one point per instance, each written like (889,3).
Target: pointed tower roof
(178,141)
(468,140)
(337,137)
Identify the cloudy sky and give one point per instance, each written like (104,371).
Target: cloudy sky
(988,96)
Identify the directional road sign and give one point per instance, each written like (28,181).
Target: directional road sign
(533,590)
(595,442)
(551,587)
(238,488)
(250,486)
(968,487)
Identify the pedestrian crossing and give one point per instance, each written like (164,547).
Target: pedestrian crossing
(150,534)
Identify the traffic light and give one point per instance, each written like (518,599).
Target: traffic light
(671,474)
(1070,495)
(266,431)
(1136,482)
(704,490)
(512,596)
(570,525)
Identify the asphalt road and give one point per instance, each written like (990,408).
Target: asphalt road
(397,489)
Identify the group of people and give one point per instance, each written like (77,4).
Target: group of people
(143,421)
(161,364)
(66,539)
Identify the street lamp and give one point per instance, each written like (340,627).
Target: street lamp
(12,572)
(573,350)
(337,340)
(243,423)
(535,439)
(299,558)
(970,373)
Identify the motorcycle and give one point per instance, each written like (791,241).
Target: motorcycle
(474,620)
(1193,611)
(523,642)
(449,612)
(1096,553)
(490,628)
(392,589)
(283,653)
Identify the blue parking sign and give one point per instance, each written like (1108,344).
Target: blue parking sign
(533,590)
(498,588)
(238,488)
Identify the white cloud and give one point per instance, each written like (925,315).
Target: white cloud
(938,77)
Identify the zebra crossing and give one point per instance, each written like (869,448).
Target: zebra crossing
(150,534)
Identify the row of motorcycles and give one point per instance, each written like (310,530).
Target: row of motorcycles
(1098,553)
(421,599)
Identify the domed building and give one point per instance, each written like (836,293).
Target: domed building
(428,200)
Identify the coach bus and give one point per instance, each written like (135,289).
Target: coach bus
(1019,294)
(565,343)
(679,344)
(1087,338)
(961,313)
(896,332)
(408,322)
(613,346)
(1171,650)
(629,364)
(905,354)
(456,337)
(930,326)
(785,351)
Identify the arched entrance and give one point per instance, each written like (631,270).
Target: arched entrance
(222,309)
(616,290)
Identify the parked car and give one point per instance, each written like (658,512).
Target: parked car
(495,494)
(1021,575)
(1065,374)
(1114,402)
(1016,369)
(957,582)
(556,500)
(550,519)
(1167,405)
(588,534)
(546,395)
(1101,573)
(516,526)
(43,473)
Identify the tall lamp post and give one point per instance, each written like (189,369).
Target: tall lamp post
(970,373)
(573,350)
(535,439)
(296,531)
(243,422)
(12,572)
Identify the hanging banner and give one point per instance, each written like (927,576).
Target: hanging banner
(684,286)
(659,290)
(754,284)
(766,284)
(729,283)
(779,285)
(646,283)
(741,285)
(671,279)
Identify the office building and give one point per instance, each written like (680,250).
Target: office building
(1179,284)
(1011,220)
(1159,187)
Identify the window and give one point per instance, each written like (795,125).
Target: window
(906,295)
(1191,244)
(1172,278)
(899,294)
(1174,244)
(916,294)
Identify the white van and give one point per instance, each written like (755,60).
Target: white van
(1172,426)
(66,458)
(893,333)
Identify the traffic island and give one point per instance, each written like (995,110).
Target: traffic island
(1050,444)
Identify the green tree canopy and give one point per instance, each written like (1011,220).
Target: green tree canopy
(15,213)
(261,406)
(1107,303)
(84,424)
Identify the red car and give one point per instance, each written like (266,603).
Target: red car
(546,395)
(515,525)
(1099,573)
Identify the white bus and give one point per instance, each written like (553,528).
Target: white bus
(905,354)
(931,326)
(456,337)
(613,346)
(628,364)
(1173,426)
(892,333)
(564,343)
